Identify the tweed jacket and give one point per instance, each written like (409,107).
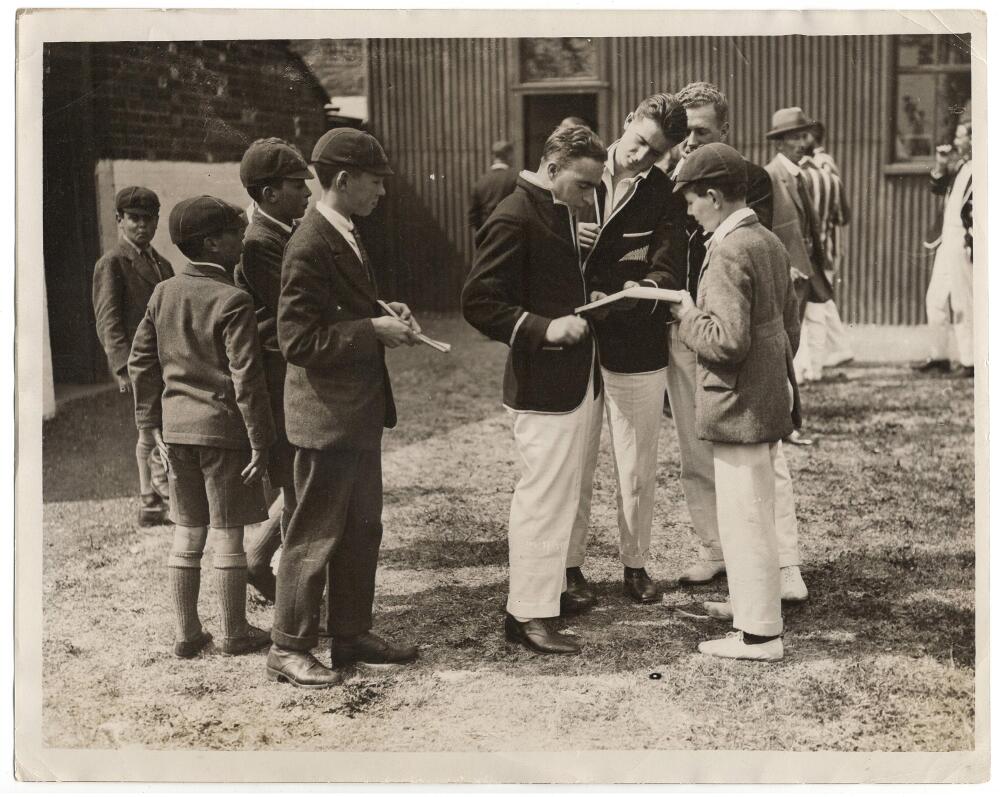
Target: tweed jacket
(527,272)
(744,330)
(488,192)
(337,389)
(195,364)
(640,240)
(123,283)
(797,227)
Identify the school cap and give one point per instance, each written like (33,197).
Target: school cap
(203,215)
(136,199)
(268,159)
(715,161)
(345,146)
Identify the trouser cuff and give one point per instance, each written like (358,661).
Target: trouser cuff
(773,628)
(303,643)
(533,611)
(789,560)
(633,561)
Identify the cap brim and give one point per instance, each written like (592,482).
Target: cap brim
(140,211)
(300,174)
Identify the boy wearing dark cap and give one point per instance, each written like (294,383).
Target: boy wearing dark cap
(200,391)
(274,174)
(337,401)
(743,330)
(124,279)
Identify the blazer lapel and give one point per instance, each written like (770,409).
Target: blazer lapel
(347,261)
(142,267)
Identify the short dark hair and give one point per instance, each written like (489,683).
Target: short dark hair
(731,190)
(569,143)
(192,248)
(819,131)
(573,121)
(502,149)
(667,113)
(699,93)
(326,173)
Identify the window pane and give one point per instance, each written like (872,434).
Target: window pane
(915,115)
(554,59)
(954,91)
(915,50)
(956,49)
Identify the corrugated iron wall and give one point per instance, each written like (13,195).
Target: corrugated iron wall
(439,103)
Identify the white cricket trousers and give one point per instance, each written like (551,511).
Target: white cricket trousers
(950,288)
(698,466)
(811,356)
(551,449)
(633,404)
(745,501)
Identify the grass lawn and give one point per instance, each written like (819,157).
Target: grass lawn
(879,659)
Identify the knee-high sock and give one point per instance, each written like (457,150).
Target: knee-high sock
(184,572)
(231,584)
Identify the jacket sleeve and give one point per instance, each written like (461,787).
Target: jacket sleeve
(790,310)
(305,335)
(109,298)
(239,331)
(260,275)
(760,198)
(719,330)
(669,250)
(966,214)
(475,210)
(491,299)
(145,372)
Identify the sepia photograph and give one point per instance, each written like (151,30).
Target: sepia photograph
(449,403)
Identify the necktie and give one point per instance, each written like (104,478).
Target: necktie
(364,255)
(151,262)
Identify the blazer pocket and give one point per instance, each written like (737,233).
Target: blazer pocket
(720,380)
(636,234)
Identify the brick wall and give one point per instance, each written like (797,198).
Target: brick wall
(201,101)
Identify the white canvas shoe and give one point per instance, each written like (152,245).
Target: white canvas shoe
(719,610)
(703,571)
(793,588)
(732,646)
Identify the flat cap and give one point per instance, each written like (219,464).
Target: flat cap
(270,159)
(345,146)
(788,120)
(203,215)
(715,161)
(136,199)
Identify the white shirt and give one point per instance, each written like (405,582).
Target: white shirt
(617,192)
(210,265)
(729,224)
(341,224)
(286,227)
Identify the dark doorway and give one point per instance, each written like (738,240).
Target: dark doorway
(544,112)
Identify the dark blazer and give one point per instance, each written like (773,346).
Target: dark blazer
(195,364)
(123,284)
(642,240)
(526,273)
(744,331)
(488,191)
(759,200)
(797,227)
(337,390)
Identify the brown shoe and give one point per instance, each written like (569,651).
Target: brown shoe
(637,584)
(300,669)
(251,640)
(536,636)
(189,648)
(370,649)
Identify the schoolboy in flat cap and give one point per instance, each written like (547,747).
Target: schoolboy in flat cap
(744,329)
(124,279)
(337,401)
(274,175)
(200,390)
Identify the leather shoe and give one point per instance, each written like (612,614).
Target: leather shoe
(703,572)
(573,603)
(963,372)
(577,585)
(928,365)
(250,640)
(189,648)
(536,636)
(370,649)
(793,588)
(796,438)
(299,668)
(639,586)
(262,579)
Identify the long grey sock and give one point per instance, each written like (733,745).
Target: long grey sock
(184,571)
(231,584)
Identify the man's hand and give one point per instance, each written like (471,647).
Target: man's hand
(602,312)
(627,304)
(797,275)
(405,315)
(392,332)
(124,384)
(685,306)
(253,472)
(586,233)
(566,331)
(160,445)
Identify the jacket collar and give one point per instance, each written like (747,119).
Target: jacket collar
(355,269)
(782,165)
(140,265)
(741,218)
(260,217)
(556,215)
(209,270)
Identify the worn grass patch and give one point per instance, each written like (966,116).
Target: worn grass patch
(879,659)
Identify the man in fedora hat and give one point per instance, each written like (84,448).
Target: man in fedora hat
(333,336)
(795,221)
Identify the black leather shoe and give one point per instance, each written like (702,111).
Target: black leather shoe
(299,668)
(252,639)
(928,365)
(571,603)
(639,586)
(370,649)
(189,648)
(577,586)
(535,635)
(963,372)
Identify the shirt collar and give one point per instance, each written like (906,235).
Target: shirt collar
(210,265)
(609,167)
(792,167)
(730,223)
(286,227)
(532,178)
(499,165)
(148,250)
(341,223)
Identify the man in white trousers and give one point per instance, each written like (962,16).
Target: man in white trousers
(525,283)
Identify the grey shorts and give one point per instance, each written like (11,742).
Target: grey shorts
(206,488)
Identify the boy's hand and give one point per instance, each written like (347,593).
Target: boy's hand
(404,314)
(627,304)
(124,384)
(566,331)
(686,305)
(798,275)
(253,472)
(392,333)
(160,445)
(586,233)
(601,313)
